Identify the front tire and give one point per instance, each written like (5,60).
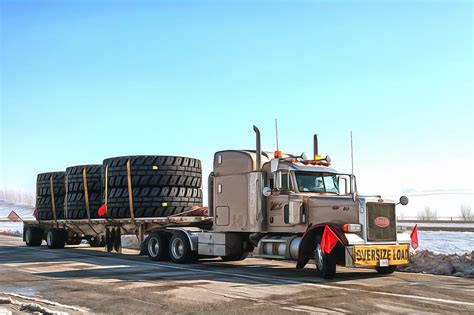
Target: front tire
(56,238)
(386,270)
(180,249)
(325,263)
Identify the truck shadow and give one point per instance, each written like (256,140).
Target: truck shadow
(81,263)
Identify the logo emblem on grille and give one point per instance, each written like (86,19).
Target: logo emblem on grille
(382,222)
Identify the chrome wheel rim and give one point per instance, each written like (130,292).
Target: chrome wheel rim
(49,238)
(28,236)
(177,248)
(153,247)
(318,253)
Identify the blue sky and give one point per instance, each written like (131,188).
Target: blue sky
(86,80)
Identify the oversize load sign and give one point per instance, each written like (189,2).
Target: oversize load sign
(371,255)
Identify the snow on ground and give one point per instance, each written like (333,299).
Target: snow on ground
(426,261)
(446,242)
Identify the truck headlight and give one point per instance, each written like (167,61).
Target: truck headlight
(352,228)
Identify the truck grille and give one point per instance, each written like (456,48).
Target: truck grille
(381,222)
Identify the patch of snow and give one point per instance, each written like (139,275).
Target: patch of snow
(426,261)
(446,242)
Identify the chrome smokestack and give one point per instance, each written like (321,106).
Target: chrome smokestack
(315,146)
(258,149)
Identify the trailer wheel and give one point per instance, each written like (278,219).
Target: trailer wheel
(325,263)
(386,270)
(157,246)
(180,249)
(56,238)
(235,257)
(74,241)
(109,239)
(117,240)
(33,236)
(98,241)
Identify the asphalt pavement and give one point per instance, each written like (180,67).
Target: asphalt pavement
(81,279)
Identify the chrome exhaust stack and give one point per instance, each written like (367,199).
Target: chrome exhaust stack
(258,151)
(315,146)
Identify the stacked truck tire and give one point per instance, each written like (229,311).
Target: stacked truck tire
(154,186)
(50,192)
(130,186)
(83,191)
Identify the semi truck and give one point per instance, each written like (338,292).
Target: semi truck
(273,205)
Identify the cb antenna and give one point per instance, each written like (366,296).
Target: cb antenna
(276,133)
(352,156)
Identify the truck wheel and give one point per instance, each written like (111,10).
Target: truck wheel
(74,241)
(235,257)
(33,236)
(109,239)
(98,241)
(117,240)
(386,270)
(180,249)
(325,263)
(157,247)
(55,238)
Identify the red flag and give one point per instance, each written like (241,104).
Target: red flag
(14,217)
(102,210)
(329,240)
(414,237)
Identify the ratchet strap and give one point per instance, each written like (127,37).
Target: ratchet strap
(130,192)
(66,213)
(51,187)
(86,192)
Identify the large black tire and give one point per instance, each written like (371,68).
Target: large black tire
(325,263)
(152,201)
(157,246)
(180,249)
(386,270)
(109,239)
(235,257)
(98,241)
(44,204)
(33,236)
(56,238)
(161,185)
(75,201)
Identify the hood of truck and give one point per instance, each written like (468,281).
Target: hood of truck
(332,209)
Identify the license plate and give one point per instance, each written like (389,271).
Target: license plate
(382,255)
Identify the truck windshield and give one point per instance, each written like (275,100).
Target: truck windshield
(317,182)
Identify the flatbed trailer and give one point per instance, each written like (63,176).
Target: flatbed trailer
(98,232)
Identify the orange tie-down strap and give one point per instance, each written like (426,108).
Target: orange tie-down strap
(130,192)
(51,187)
(86,192)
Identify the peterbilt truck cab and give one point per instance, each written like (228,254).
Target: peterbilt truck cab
(280,206)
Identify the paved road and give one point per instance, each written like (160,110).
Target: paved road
(95,281)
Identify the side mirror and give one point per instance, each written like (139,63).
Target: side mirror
(403,200)
(266,191)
